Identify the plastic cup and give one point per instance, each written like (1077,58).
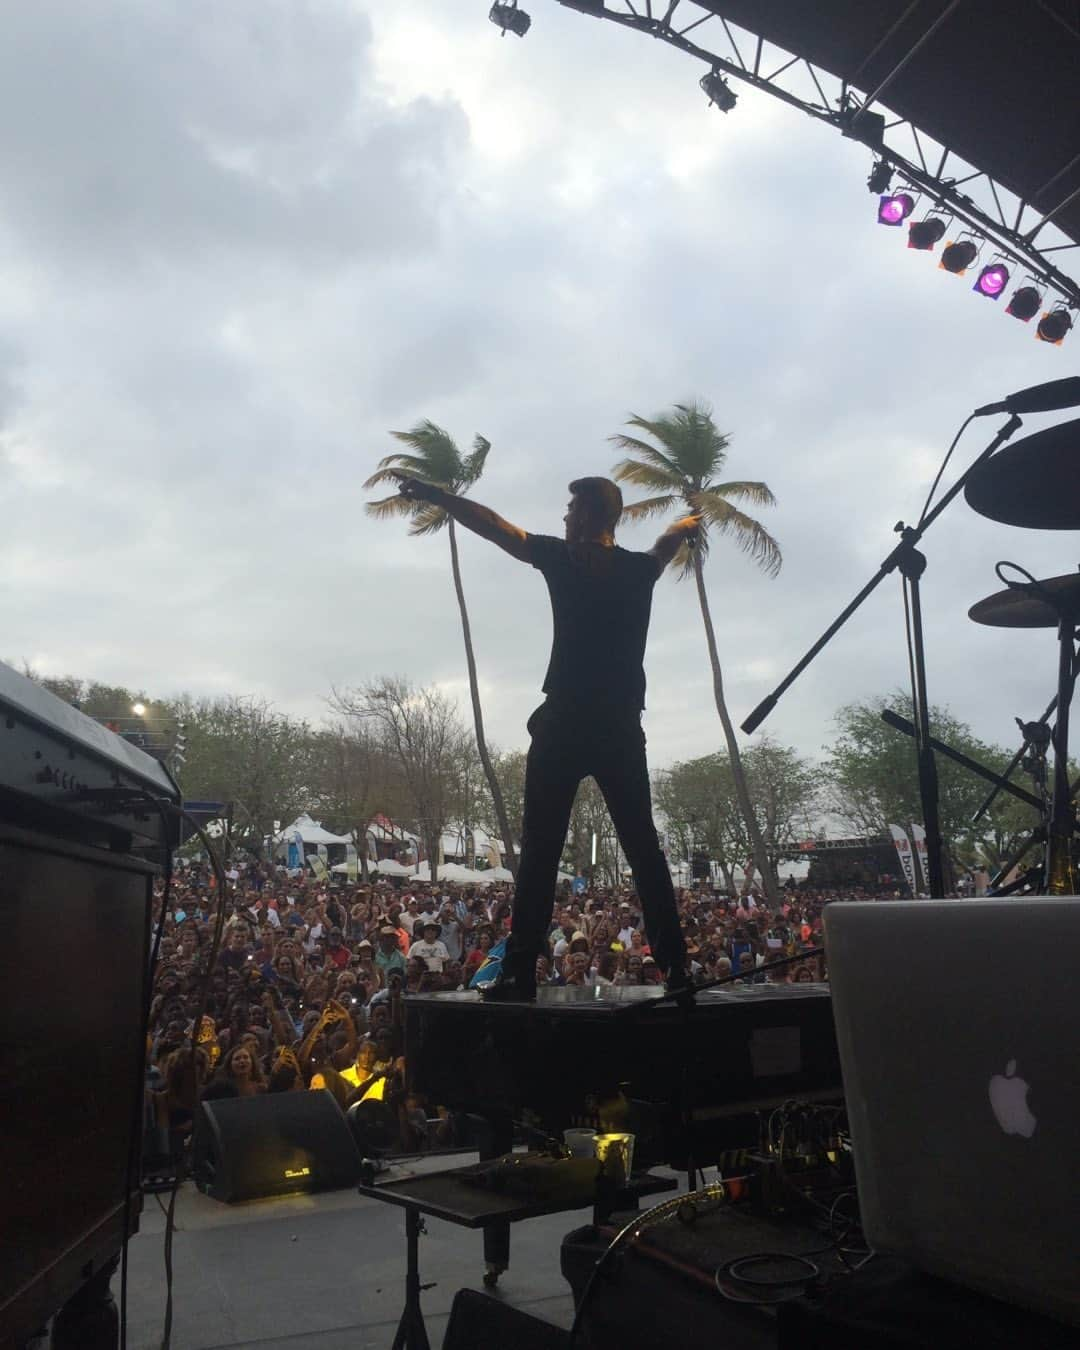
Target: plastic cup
(616,1154)
(580,1142)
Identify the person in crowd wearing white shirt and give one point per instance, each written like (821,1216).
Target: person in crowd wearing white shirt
(450,931)
(431,949)
(628,929)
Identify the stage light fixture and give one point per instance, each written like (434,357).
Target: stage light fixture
(1025,303)
(510,19)
(880,179)
(958,257)
(895,208)
(924,234)
(718,90)
(1054,325)
(992,281)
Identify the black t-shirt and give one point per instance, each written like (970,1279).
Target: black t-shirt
(601,599)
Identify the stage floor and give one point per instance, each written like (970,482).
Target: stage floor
(325,1271)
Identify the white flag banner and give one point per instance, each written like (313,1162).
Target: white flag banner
(918,839)
(903,852)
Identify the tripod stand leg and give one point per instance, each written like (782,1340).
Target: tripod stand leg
(412,1333)
(1060,879)
(912,565)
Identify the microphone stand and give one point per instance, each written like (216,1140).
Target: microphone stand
(911,564)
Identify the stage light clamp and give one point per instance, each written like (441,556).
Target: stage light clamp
(880,178)
(717,89)
(504,14)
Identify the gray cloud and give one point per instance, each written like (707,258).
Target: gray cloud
(239,245)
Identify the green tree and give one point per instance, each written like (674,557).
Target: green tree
(421,730)
(588,816)
(242,750)
(433,457)
(785,793)
(354,778)
(682,471)
(700,804)
(873,782)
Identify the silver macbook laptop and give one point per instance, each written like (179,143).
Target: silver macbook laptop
(958,1023)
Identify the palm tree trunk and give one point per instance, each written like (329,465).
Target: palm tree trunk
(501,817)
(742,793)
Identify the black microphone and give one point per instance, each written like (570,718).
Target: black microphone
(1039,398)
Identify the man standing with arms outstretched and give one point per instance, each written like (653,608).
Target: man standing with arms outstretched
(590,722)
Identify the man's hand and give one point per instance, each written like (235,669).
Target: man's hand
(686,529)
(416,490)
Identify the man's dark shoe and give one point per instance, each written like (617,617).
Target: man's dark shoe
(508,988)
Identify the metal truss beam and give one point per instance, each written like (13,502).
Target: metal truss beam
(837,103)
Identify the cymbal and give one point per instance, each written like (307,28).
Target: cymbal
(1025,608)
(1034,483)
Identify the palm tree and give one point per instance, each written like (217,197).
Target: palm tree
(681,471)
(436,459)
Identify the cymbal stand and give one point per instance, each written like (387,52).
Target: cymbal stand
(1060,878)
(1018,757)
(911,564)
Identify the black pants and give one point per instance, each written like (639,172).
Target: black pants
(569,744)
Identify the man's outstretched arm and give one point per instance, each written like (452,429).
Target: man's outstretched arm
(480,519)
(681,532)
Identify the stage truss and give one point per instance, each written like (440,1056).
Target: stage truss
(946,184)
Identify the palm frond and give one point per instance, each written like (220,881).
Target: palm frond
(646,476)
(758,493)
(473,465)
(389,474)
(389,506)
(749,534)
(692,445)
(650,506)
(436,449)
(427,518)
(635,446)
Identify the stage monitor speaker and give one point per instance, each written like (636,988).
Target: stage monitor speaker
(480,1322)
(278,1143)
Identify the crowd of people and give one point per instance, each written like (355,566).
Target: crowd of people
(307,987)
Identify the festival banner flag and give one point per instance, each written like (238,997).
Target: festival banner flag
(352,866)
(903,853)
(319,867)
(918,839)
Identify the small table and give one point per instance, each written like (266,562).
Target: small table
(448,1195)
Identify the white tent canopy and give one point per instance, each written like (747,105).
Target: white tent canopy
(388,867)
(310,831)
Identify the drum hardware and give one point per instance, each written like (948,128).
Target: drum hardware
(1053,602)
(911,564)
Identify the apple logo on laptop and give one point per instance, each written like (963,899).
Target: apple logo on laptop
(1008,1097)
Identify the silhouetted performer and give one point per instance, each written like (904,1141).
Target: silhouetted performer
(590,722)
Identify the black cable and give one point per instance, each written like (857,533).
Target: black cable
(162,805)
(730,1268)
(944,464)
(134,1148)
(211,961)
(639,1222)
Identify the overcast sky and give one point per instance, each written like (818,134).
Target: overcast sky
(240,242)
